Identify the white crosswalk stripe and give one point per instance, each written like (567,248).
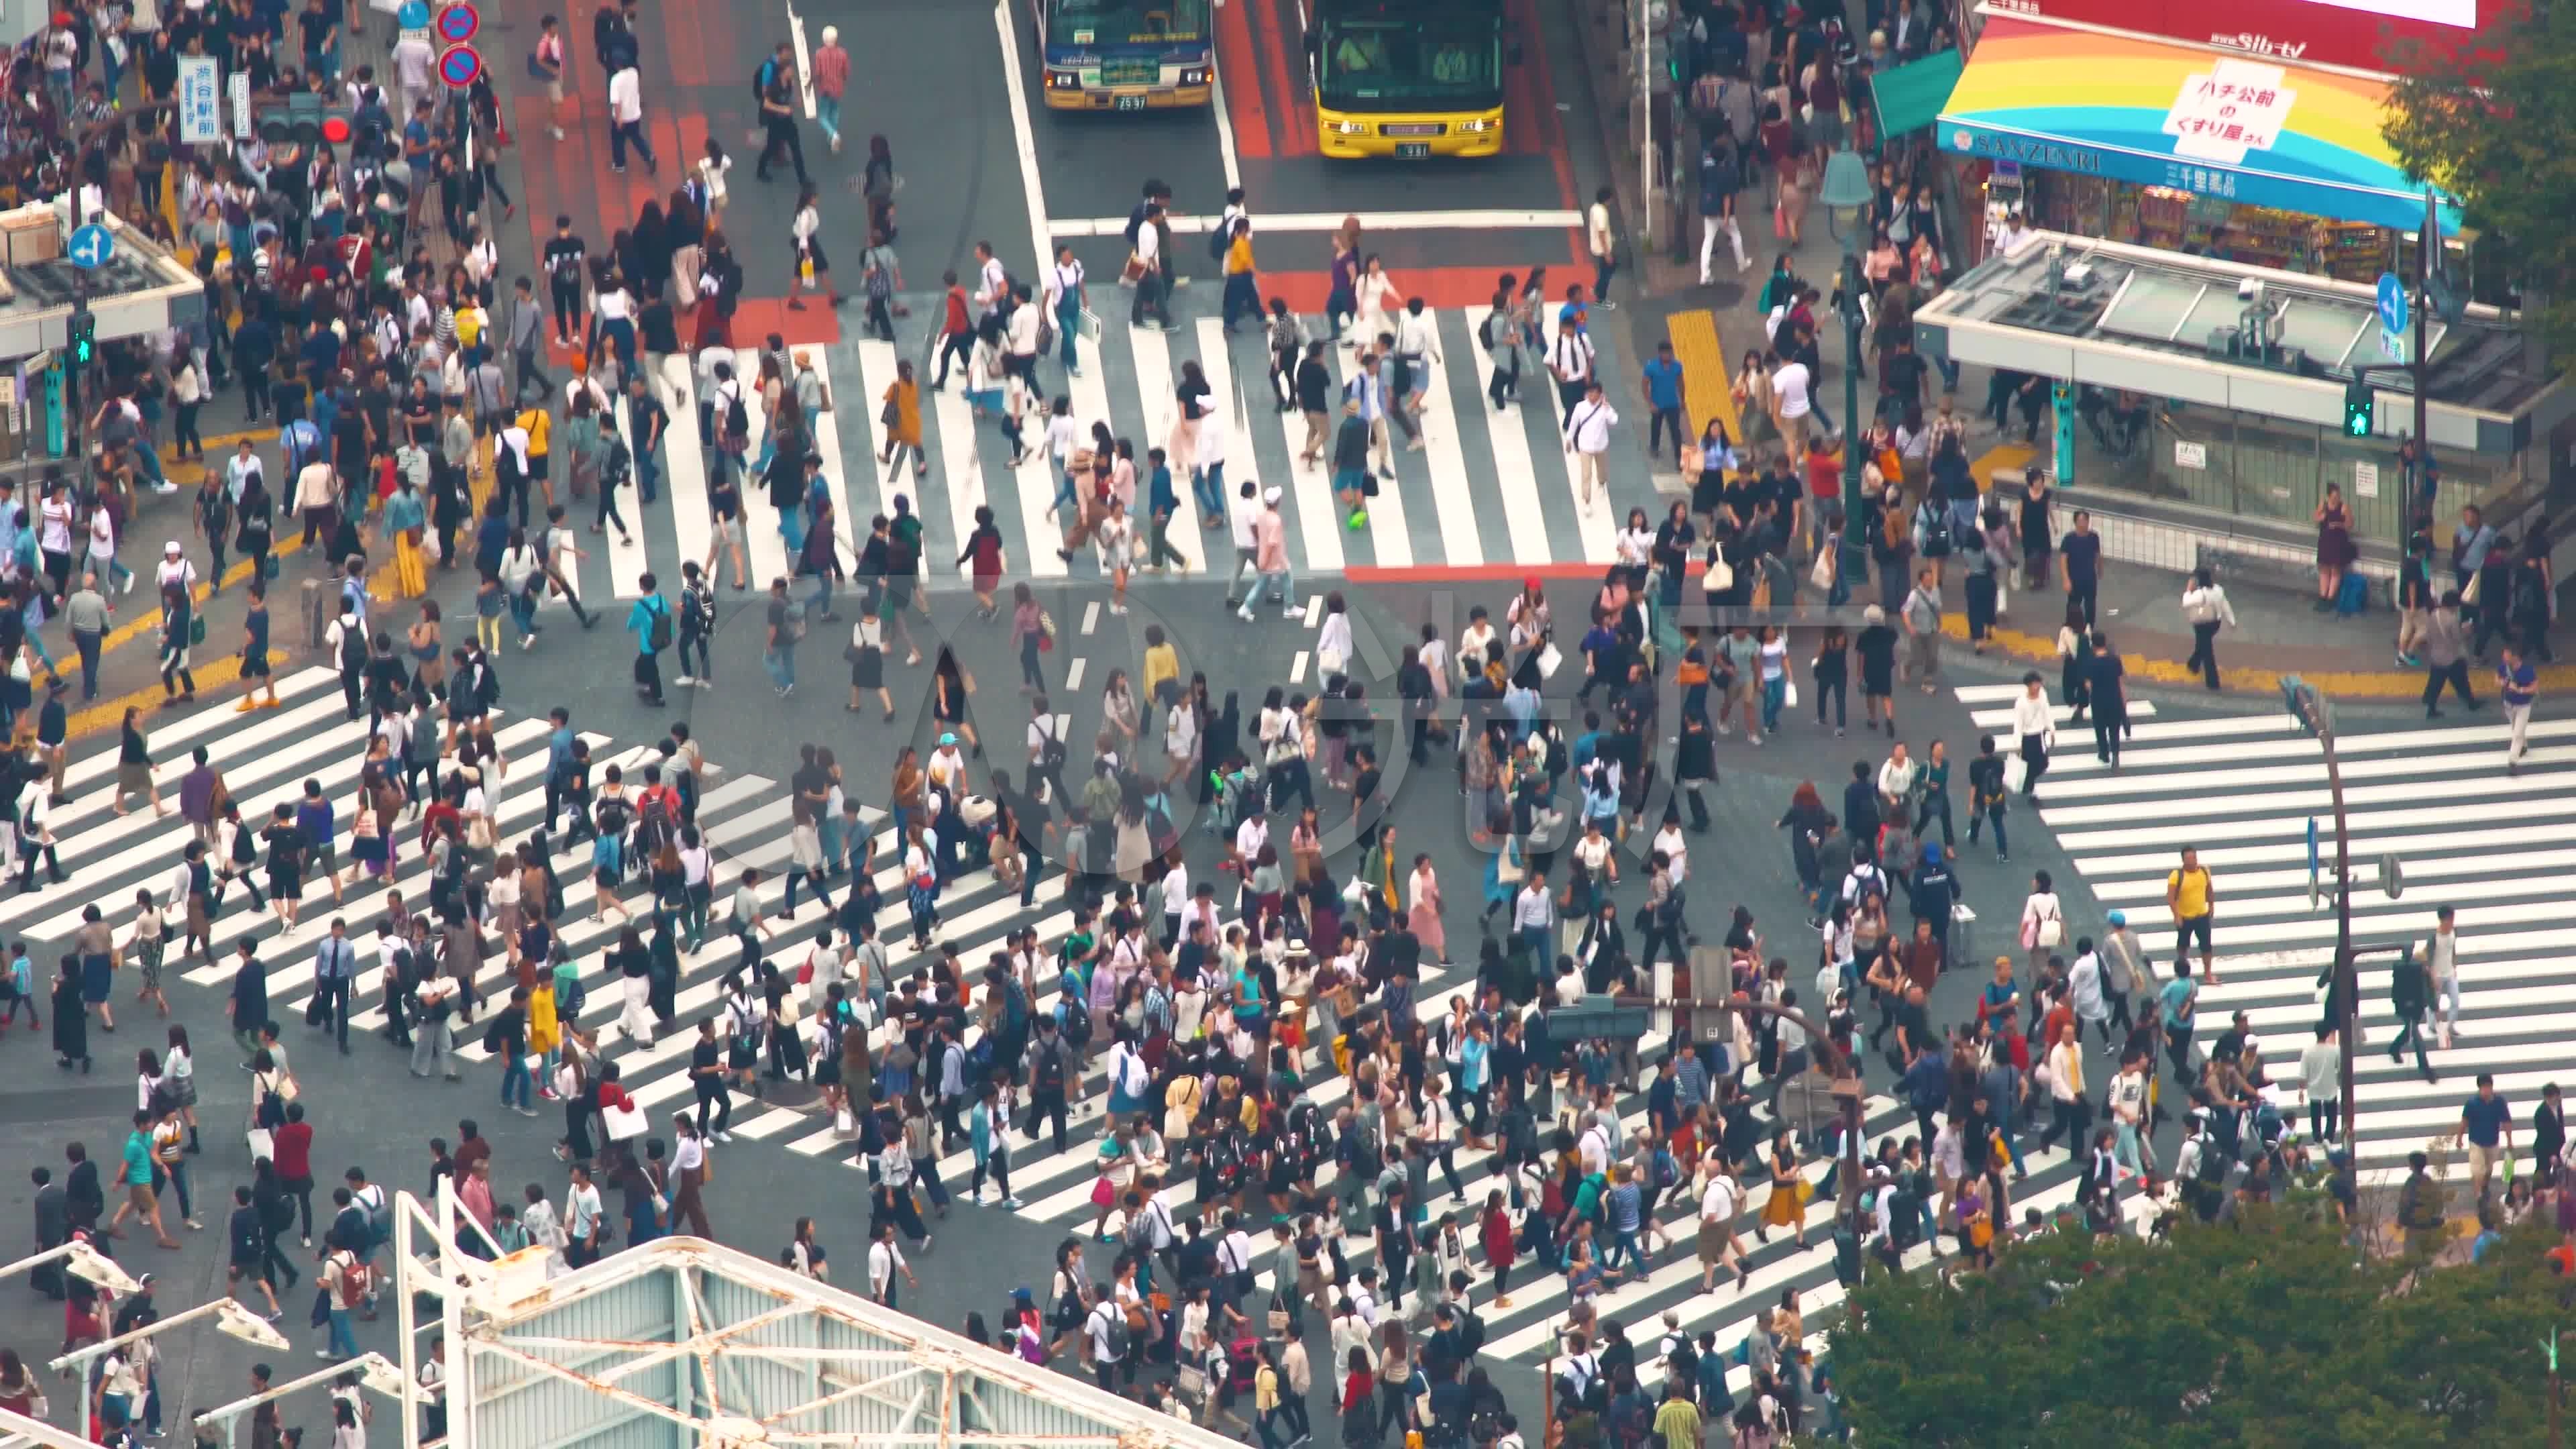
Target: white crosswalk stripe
(2243,790)
(1486,481)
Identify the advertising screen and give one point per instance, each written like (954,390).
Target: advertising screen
(2354,33)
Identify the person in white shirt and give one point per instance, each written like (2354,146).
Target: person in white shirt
(626,120)
(582,1219)
(2205,608)
(2043,922)
(1153,277)
(1605,252)
(1719,1202)
(885,1260)
(1587,437)
(1792,388)
(2036,723)
(544,1229)
(1569,361)
(1064,297)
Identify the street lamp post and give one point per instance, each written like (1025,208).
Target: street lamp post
(1853,568)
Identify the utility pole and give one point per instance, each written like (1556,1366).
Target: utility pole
(2308,708)
(2425,243)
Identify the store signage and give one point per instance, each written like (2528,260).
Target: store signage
(201,117)
(2028,150)
(2357,33)
(2365,480)
(2191,455)
(2234,107)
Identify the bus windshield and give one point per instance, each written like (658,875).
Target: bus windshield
(1376,64)
(1091,23)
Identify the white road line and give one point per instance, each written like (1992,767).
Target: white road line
(762,544)
(1328,221)
(1991,719)
(1314,611)
(960,464)
(1090,617)
(826,434)
(1387,530)
(1073,674)
(1297,668)
(804,60)
(684,472)
(1598,524)
(1224,132)
(1024,138)
(1513,471)
(1453,497)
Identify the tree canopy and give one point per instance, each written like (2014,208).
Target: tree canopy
(2266,1334)
(2489,123)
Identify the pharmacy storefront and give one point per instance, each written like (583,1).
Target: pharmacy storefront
(2243,158)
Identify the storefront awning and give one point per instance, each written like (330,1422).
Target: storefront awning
(1911,96)
(2194,120)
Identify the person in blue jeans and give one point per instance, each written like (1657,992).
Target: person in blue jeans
(779,656)
(1663,374)
(1064,293)
(509,1036)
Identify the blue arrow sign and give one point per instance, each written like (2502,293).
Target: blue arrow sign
(2392,304)
(92,247)
(413,14)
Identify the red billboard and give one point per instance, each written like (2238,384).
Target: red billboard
(2356,33)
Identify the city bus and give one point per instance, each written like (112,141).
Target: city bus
(1125,55)
(1408,78)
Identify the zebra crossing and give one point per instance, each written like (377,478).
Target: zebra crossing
(266,758)
(1488,487)
(2243,791)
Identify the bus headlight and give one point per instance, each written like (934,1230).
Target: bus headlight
(1350,128)
(1479,126)
(1064,80)
(1194,77)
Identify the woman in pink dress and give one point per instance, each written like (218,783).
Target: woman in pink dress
(1424,917)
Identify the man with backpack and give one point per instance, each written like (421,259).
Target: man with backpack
(1053,1066)
(654,629)
(697,625)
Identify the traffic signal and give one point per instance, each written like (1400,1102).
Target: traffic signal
(2360,408)
(84,338)
(304,119)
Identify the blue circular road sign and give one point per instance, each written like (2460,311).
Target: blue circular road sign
(457,23)
(91,247)
(2392,303)
(413,14)
(458,65)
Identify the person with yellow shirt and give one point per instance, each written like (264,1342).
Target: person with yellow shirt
(2193,898)
(1162,663)
(538,424)
(1242,297)
(470,322)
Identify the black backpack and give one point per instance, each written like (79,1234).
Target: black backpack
(1047,1074)
(657,634)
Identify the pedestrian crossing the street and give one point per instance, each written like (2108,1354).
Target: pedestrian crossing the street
(2244,791)
(267,756)
(1487,487)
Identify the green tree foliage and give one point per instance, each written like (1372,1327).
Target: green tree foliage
(2268,1334)
(2489,122)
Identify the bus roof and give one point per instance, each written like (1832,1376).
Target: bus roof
(1408,9)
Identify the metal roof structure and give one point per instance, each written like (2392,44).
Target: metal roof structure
(686,1344)
(143,289)
(2167,324)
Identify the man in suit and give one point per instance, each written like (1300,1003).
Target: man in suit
(53,1229)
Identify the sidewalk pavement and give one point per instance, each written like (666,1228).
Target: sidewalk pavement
(2277,633)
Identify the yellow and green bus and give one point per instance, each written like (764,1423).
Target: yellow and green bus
(1409,79)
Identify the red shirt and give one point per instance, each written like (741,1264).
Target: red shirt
(957,320)
(293,1148)
(1825,474)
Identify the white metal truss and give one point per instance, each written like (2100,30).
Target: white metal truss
(501,1322)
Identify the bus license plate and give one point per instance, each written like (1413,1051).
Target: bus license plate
(1128,103)
(1412,150)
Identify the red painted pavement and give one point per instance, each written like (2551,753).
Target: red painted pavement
(1248,112)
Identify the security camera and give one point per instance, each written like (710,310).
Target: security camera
(100,1270)
(2249,289)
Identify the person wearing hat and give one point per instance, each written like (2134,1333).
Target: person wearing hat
(175,568)
(2124,969)
(1270,556)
